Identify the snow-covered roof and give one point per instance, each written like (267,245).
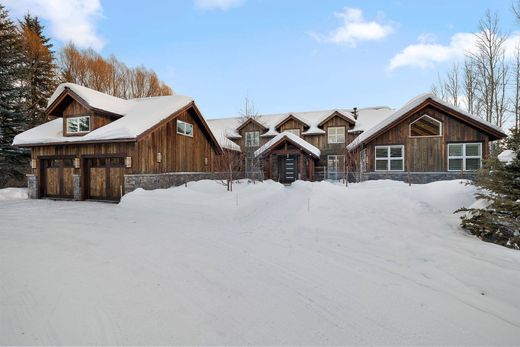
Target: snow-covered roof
(367,117)
(94,98)
(405,109)
(142,115)
(139,115)
(294,138)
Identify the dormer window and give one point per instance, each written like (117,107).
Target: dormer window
(425,126)
(252,138)
(78,125)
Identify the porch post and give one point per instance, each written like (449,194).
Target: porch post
(301,166)
(270,166)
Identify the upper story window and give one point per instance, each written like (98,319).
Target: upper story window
(425,126)
(184,128)
(77,125)
(252,138)
(464,156)
(389,158)
(293,131)
(336,134)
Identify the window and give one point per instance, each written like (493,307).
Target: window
(336,134)
(389,158)
(335,165)
(464,156)
(252,138)
(293,131)
(425,126)
(78,124)
(184,128)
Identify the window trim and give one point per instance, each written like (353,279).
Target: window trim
(388,158)
(256,137)
(418,119)
(184,133)
(67,119)
(463,156)
(336,134)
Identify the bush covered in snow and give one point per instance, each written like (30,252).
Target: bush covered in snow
(496,215)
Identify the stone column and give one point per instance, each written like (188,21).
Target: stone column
(32,186)
(76,183)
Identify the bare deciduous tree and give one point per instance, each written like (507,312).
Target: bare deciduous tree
(88,68)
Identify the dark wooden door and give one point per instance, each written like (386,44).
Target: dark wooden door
(105,178)
(57,178)
(289,168)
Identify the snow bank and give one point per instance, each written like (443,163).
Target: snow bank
(377,263)
(13,193)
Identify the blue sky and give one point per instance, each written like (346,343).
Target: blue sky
(285,55)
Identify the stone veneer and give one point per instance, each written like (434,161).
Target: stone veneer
(165,180)
(76,182)
(418,177)
(32,187)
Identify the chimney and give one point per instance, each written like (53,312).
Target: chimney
(355,113)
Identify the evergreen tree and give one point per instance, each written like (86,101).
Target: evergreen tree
(498,184)
(39,72)
(12,160)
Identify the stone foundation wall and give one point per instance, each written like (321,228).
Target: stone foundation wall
(161,181)
(418,177)
(33,187)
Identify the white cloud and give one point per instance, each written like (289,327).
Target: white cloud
(70,20)
(217,4)
(355,29)
(427,54)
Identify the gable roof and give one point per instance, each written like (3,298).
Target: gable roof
(288,118)
(139,116)
(415,105)
(289,137)
(336,113)
(367,117)
(90,98)
(251,120)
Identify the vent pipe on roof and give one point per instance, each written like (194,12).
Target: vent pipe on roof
(355,113)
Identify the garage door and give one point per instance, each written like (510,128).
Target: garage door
(56,178)
(105,178)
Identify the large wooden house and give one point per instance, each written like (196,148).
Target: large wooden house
(99,146)
(425,140)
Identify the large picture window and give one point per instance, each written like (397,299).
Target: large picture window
(464,156)
(184,128)
(425,126)
(389,158)
(336,134)
(252,138)
(78,124)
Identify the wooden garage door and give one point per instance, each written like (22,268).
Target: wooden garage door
(56,178)
(105,178)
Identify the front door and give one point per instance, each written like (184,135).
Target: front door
(289,168)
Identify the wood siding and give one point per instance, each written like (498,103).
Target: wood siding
(427,154)
(180,153)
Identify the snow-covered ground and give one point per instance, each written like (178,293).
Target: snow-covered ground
(313,264)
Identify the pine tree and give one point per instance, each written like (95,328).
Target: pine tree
(498,184)
(12,161)
(39,70)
